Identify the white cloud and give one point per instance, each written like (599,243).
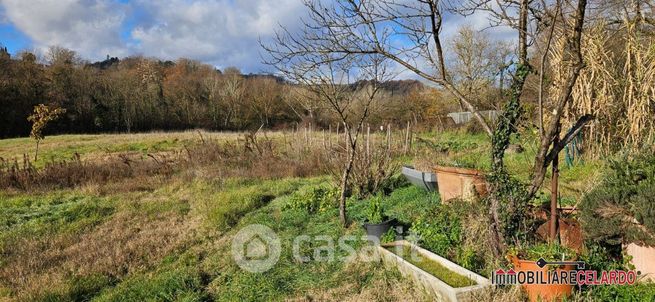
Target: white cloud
(223,33)
(219,32)
(91,27)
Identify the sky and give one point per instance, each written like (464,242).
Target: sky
(222,33)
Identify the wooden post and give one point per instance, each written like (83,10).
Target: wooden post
(406,147)
(311,134)
(330,135)
(554,192)
(411,137)
(306,137)
(368,139)
(389,136)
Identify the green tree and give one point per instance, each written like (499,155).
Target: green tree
(40,118)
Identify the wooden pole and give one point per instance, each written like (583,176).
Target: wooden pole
(411,137)
(312,135)
(554,192)
(389,136)
(368,139)
(306,137)
(406,147)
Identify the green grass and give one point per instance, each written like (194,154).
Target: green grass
(211,273)
(64,147)
(432,267)
(408,203)
(201,268)
(58,212)
(237,198)
(177,281)
(288,277)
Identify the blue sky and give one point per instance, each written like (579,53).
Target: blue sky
(218,32)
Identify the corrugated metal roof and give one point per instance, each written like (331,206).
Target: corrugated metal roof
(466,116)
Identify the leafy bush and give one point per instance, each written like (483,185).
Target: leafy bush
(469,258)
(313,199)
(599,257)
(622,208)
(393,183)
(407,204)
(375,214)
(389,236)
(439,231)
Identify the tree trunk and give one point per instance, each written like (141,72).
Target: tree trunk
(554,194)
(36,153)
(541,160)
(344,186)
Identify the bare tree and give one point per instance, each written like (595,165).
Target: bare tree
(347,85)
(348,27)
(477,62)
(345,28)
(232,95)
(304,107)
(536,13)
(551,144)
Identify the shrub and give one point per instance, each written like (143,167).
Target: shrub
(389,236)
(439,231)
(375,213)
(393,183)
(313,199)
(622,208)
(470,259)
(408,203)
(599,257)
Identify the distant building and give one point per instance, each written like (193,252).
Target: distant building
(464,117)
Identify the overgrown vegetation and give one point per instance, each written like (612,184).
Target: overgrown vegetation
(167,236)
(621,209)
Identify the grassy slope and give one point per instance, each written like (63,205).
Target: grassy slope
(177,247)
(171,241)
(166,242)
(94,146)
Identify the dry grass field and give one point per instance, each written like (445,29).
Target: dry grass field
(138,216)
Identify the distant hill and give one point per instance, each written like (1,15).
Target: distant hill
(105,64)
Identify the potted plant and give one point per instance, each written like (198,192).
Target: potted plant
(460,181)
(526,259)
(377,224)
(621,211)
